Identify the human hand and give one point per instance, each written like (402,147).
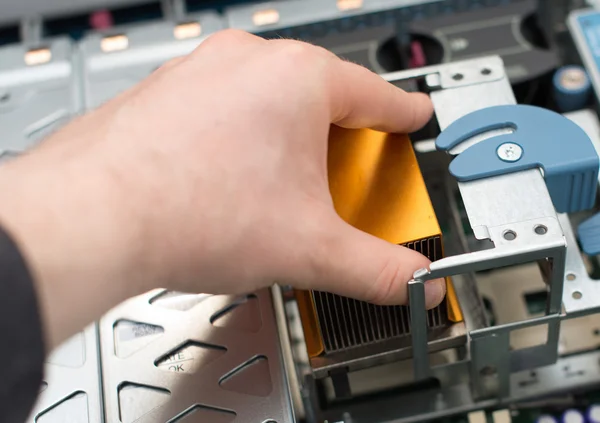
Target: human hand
(209,176)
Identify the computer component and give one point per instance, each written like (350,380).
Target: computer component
(507,200)
(39,92)
(507,30)
(572,88)
(592,414)
(119,58)
(376,186)
(572,416)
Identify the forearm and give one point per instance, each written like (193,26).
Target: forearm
(73,230)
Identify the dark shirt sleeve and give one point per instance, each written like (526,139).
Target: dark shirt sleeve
(22,349)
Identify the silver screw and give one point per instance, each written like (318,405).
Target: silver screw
(509,152)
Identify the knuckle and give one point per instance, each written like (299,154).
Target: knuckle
(224,38)
(299,53)
(295,50)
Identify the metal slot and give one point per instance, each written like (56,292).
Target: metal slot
(113,64)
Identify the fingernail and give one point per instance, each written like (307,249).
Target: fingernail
(435,290)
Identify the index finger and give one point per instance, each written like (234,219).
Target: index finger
(360,98)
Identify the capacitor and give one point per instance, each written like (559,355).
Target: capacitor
(571,88)
(572,416)
(592,414)
(546,418)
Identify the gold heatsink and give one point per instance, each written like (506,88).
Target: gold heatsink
(377,186)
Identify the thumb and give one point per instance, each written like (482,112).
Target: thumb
(354,264)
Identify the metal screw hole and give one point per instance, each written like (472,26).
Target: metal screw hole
(541,230)
(571,277)
(486,71)
(457,76)
(510,235)
(577,295)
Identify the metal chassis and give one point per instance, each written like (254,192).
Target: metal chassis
(519,203)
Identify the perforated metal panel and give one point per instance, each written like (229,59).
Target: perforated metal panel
(170,357)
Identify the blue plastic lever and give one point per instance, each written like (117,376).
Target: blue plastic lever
(588,233)
(548,140)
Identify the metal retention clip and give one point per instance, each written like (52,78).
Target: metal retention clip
(533,138)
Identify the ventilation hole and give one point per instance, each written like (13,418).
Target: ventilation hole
(180,301)
(135,401)
(4,97)
(458,76)
(510,235)
(536,302)
(486,71)
(70,353)
(204,413)
(73,408)
(541,230)
(252,377)
(596,332)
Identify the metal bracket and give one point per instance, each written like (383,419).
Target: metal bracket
(514,211)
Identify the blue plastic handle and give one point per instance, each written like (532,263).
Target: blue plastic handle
(548,140)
